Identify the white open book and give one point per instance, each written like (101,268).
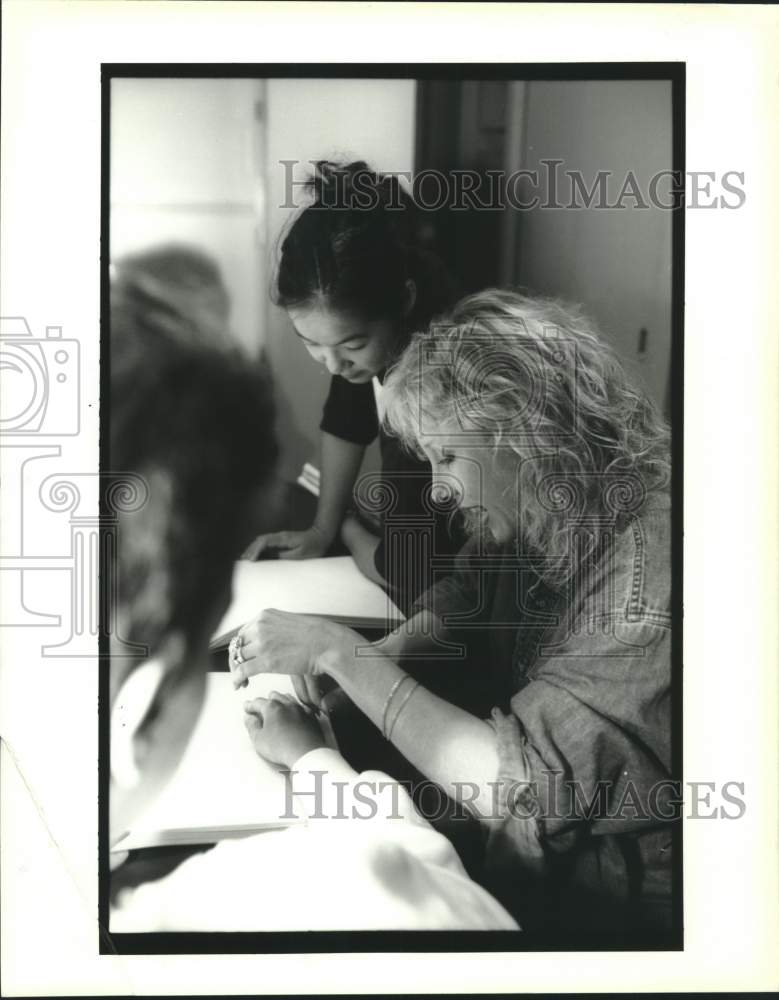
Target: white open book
(333,588)
(221,788)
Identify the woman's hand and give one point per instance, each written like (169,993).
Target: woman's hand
(309,544)
(311,690)
(281,730)
(279,642)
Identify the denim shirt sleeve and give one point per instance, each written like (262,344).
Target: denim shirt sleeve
(592,735)
(587,739)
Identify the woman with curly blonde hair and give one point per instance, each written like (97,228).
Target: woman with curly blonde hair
(525,385)
(561,599)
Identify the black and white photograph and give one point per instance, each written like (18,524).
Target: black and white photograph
(388,408)
(393,365)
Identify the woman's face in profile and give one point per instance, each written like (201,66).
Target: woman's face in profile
(352,348)
(480,482)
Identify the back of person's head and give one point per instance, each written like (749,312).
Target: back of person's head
(196,423)
(179,288)
(192,424)
(352,249)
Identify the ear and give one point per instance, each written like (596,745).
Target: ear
(130,708)
(410,298)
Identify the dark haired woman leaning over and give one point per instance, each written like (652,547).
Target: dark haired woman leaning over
(355,288)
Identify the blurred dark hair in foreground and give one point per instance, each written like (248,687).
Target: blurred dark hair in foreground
(192,415)
(177,289)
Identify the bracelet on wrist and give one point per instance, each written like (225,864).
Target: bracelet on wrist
(406,697)
(392,692)
(326,536)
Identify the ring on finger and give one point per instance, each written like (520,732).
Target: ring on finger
(235,650)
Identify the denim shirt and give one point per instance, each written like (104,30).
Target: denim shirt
(582,681)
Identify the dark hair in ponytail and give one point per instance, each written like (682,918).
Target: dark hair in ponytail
(352,248)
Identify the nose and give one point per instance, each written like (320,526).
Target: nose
(333,362)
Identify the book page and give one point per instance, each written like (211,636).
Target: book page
(221,787)
(332,587)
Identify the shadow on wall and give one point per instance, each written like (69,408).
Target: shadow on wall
(614,262)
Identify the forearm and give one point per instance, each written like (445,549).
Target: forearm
(362,545)
(419,636)
(448,745)
(340,463)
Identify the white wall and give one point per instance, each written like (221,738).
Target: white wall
(615,262)
(187,165)
(371,120)
(200,161)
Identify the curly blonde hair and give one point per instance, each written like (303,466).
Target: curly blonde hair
(532,375)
